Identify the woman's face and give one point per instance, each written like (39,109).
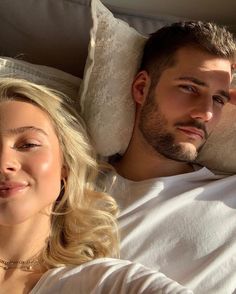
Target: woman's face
(31,163)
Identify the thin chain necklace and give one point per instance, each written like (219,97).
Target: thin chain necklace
(24,265)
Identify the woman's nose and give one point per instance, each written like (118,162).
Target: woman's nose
(8,161)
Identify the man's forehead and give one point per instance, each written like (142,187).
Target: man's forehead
(192,54)
(192,60)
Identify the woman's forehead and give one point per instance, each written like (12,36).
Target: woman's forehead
(18,114)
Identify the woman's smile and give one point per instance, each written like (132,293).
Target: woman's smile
(12,188)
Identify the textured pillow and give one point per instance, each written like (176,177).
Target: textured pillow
(106,102)
(219,152)
(40,74)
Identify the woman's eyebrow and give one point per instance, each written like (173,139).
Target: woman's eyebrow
(20,130)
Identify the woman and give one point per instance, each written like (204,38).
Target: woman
(55,229)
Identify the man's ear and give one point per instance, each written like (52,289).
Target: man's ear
(140,87)
(232,94)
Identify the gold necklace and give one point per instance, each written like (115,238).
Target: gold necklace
(24,265)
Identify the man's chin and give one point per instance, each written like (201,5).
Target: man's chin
(188,152)
(182,152)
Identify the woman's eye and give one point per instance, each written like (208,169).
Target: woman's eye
(26,146)
(188,89)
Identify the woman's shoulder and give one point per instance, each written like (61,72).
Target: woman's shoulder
(106,275)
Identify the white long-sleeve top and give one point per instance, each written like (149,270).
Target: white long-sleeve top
(106,276)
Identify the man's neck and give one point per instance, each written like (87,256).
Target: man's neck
(140,164)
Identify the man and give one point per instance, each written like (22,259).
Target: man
(177,216)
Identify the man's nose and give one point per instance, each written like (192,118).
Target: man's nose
(203,109)
(8,161)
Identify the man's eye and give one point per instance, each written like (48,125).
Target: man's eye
(219,100)
(188,88)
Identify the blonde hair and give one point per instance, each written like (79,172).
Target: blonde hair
(83,225)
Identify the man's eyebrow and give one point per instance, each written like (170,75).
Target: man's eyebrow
(198,82)
(193,80)
(20,130)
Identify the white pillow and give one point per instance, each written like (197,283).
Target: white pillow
(40,74)
(106,101)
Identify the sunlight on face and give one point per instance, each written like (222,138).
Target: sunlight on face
(30,163)
(186,104)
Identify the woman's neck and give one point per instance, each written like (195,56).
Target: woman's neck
(25,240)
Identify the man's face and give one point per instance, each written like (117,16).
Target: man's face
(179,113)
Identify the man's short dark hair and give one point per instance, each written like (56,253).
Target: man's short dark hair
(161,47)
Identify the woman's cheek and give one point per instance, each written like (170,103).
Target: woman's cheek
(48,170)
(47,164)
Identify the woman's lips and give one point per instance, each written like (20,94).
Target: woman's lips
(8,189)
(192,132)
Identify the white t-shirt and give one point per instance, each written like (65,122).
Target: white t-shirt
(106,276)
(183,225)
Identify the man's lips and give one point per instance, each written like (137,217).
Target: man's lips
(193,131)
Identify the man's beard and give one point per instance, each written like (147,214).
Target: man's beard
(152,125)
